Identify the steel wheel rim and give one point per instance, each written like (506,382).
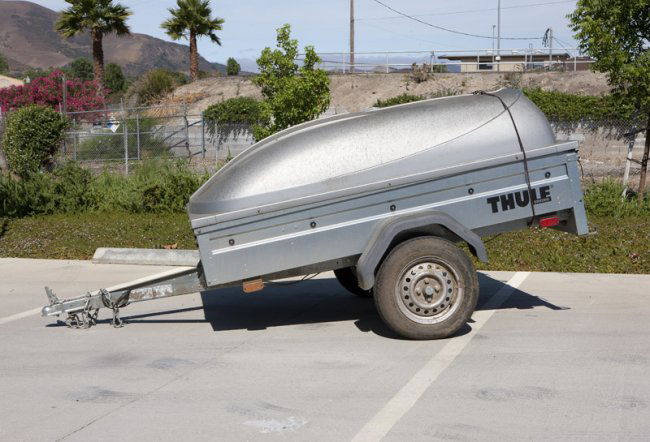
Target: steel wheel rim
(428,290)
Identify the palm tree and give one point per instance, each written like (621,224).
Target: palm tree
(100,17)
(193,19)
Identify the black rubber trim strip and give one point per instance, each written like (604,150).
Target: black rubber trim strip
(523,151)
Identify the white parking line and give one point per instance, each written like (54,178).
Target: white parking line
(19,315)
(408,395)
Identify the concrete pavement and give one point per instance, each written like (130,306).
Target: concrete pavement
(564,356)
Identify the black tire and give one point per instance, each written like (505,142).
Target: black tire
(348,279)
(426,288)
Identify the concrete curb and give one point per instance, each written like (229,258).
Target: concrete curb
(159,257)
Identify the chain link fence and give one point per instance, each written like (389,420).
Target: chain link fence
(608,148)
(120,138)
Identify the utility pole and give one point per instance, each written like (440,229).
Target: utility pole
(352,36)
(493,31)
(499,36)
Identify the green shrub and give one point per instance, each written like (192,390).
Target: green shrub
(239,110)
(232,67)
(32,136)
(152,187)
(234,116)
(408,98)
(70,189)
(605,199)
(167,188)
(567,108)
(23,197)
(66,190)
(400,99)
(155,84)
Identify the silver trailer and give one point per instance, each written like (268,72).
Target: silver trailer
(381,197)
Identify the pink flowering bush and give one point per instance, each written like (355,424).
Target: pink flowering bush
(48,91)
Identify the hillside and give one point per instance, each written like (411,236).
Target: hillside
(28,39)
(360,91)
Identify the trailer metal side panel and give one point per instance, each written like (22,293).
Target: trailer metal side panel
(301,236)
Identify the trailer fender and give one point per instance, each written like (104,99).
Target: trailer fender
(386,234)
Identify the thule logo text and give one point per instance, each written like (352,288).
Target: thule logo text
(522,198)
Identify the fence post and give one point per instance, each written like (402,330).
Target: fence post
(3,160)
(65,144)
(75,140)
(626,174)
(126,138)
(216,147)
(187,133)
(202,136)
(387,63)
(137,132)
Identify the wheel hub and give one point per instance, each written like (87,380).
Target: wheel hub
(427,291)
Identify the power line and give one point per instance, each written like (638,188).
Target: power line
(562,43)
(372,25)
(451,30)
(467,11)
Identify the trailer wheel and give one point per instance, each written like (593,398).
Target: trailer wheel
(426,288)
(347,277)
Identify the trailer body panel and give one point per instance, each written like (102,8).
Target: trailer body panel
(481,200)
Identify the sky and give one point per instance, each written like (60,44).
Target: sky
(250,24)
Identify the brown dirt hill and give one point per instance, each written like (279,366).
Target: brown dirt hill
(360,91)
(28,38)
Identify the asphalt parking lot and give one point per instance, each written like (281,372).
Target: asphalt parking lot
(550,356)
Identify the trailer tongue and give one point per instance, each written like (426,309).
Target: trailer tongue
(380,197)
(82,311)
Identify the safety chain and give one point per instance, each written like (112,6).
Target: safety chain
(123,301)
(83,319)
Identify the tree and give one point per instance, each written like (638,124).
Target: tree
(81,68)
(294,94)
(192,19)
(232,67)
(4,66)
(99,17)
(616,34)
(114,78)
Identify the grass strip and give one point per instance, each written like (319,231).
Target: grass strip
(621,245)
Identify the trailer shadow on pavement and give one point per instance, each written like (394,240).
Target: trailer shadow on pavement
(312,302)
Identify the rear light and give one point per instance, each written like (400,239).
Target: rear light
(550,221)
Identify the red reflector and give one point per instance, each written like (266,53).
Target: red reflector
(550,221)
